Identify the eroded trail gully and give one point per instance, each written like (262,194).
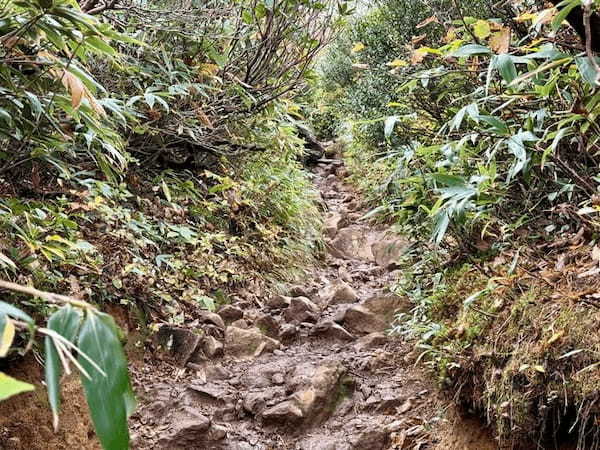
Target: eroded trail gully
(312,370)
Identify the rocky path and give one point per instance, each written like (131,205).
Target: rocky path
(312,370)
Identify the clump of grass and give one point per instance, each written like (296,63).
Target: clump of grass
(523,355)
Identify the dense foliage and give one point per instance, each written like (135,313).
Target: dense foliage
(474,130)
(150,159)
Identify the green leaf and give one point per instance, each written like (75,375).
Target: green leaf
(567,7)
(498,125)
(471,50)
(505,65)
(482,29)
(101,46)
(66,322)
(587,70)
(110,398)
(9,386)
(15,313)
(448,180)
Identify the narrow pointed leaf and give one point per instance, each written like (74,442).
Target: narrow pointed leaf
(110,398)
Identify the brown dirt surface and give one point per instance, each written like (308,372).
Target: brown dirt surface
(26,420)
(335,383)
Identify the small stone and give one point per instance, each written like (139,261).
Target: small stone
(278,378)
(406,406)
(244,343)
(331,180)
(217,372)
(301,309)
(278,301)
(284,412)
(211,317)
(254,402)
(395,426)
(268,325)
(332,224)
(217,433)
(212,347)
(231,313)
(371,341)
(331,329)
(339,292)
(288,332)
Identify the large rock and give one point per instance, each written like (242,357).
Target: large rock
(230,313)
(354,242)
(388,249)
(317,390)
(278,301)
(246,343)
(189,429)
(338,293)
(180,343)
(373,437)
(371,341)
(212,347)
(299,291)
(333,223)
(387,305)
(359,319)
(301,310)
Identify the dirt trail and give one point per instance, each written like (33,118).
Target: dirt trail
(310,371)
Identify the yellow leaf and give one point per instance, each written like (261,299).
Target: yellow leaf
(525,17)
(482,29)
(358,47)
(75,87)
(539,369)
(397,63)
(418,56)
(450,35)
(555,337)
(7,337)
